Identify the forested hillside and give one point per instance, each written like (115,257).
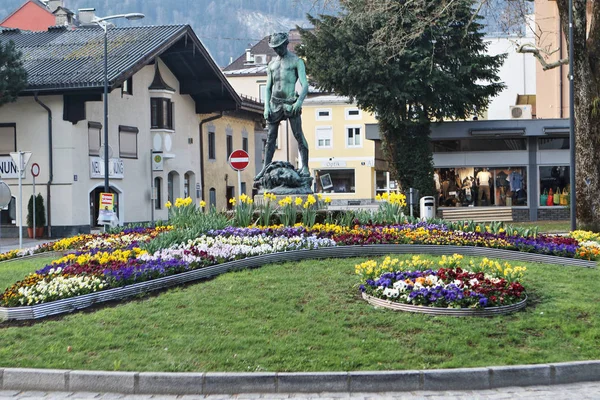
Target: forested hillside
(227,27)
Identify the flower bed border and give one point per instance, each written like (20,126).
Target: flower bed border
(439,311)
(88,300)
(59,253)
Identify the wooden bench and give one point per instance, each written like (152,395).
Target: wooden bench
(478,214)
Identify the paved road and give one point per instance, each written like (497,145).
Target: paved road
(580,391)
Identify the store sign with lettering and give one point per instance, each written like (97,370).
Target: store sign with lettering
(333,164)
(8,169)
(116,168)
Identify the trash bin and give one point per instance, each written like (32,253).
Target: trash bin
(427,207)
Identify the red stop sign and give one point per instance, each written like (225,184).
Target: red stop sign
(239,160)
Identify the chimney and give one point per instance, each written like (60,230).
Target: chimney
(249,58)
(85,15)
(54,4)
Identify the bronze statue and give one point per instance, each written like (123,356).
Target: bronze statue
(282,100)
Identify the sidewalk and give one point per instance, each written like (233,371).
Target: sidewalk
(7,244)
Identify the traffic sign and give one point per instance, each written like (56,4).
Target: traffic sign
(35,169)
(239,160)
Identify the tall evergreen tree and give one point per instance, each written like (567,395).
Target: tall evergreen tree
(410,63)
(13,77)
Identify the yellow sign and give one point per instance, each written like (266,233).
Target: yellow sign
(107,201)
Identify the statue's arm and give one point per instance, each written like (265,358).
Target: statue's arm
(268,90)
(303,83)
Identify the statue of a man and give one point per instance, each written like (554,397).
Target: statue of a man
(282,101)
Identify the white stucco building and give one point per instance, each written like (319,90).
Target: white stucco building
(167,97)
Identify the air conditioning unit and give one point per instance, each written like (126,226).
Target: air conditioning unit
(521,112)
(260,59)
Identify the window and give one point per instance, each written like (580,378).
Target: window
(161,113)
(555,143)
(324,137)
(211,146)
(335,180)
(263,151)
(127,87)
(128,141)
(262,92)
(353,136)
(353,113)
(556,178)
(8,138)
(245,144)
(481,186)
(212,198)
(488,144)
(243,188)
(323,114)
(186,186)
(229,145)
(157,193)
(94,138)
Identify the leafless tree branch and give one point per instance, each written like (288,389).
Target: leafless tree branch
(537,53)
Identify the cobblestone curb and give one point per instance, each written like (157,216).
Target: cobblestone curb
(27,379)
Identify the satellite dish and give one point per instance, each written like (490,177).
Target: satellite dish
(110,152)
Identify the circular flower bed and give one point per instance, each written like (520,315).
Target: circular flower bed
(451,286)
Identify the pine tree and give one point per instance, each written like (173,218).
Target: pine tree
(410,63)
(13,77)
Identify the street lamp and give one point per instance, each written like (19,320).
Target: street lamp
(101,22)
(572,121)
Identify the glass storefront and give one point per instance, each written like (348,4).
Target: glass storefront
(481,186)
(557,179)
(335,181)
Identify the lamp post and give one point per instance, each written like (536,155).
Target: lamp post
(571,121)
(102,22)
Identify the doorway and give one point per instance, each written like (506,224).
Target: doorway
(230,195)
(95,204)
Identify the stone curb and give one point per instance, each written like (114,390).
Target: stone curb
(29,379)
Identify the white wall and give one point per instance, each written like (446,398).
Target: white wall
(517,73)
(72,183)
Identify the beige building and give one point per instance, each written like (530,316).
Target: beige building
(552,86)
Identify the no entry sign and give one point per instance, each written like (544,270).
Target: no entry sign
(239,160)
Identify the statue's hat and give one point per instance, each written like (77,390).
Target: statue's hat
(277,39)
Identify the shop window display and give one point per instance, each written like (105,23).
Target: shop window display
(335,181)
(557,179)
(481,186)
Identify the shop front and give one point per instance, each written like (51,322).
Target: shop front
(518,164)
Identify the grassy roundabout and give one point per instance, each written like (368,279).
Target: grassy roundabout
(305,316)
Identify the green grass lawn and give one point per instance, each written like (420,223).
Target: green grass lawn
(546,226)
(13,271)
(307,316)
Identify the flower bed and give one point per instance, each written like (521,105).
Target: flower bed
(87,272)
(415,282)
(110,261)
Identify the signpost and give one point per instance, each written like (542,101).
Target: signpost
(5,196)
(35,171)
(239,160)
(21,159)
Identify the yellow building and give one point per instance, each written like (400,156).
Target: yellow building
(346,166)
(222,134)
